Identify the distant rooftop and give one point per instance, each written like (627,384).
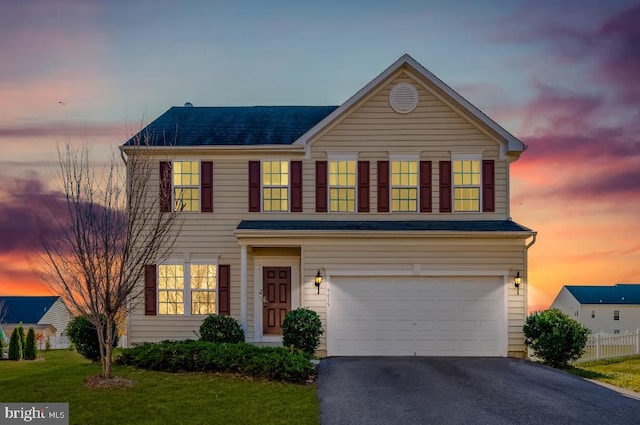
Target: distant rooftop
(622,293)
(231,125)
(26,309)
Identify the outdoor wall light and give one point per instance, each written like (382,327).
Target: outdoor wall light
(517,281)
(318,280)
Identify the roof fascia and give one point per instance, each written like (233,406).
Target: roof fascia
(252,233)
(513,144)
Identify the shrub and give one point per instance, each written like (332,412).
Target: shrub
(30,349)
(274,363)
(15,345)
(23,337)
(302,329)
(84,336)
(216,328)
(555,337)
(47,343)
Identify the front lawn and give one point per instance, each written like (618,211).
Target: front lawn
(623,372)
(156,397)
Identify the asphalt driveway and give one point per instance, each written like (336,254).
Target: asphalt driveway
(438,390)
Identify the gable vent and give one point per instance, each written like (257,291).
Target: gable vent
(403,98)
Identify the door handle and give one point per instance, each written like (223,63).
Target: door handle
(265,300)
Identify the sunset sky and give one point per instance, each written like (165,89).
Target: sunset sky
(563,76)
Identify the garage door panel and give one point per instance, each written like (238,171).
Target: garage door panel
(415,316)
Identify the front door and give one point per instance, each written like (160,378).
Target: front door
(276,298)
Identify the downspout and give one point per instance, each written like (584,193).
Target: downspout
(526,268)
(128,323)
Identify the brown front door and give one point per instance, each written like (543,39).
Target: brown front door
(276,298)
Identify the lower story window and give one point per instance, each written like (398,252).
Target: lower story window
(187,290)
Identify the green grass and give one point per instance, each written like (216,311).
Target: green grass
(622,372)
(156,397)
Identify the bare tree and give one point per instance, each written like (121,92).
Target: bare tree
(94,250)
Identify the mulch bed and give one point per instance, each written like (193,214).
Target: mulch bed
(100,382)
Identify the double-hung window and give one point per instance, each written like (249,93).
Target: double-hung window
(187,289)
(616,314)
(186,186)
(171,289)
(275,186)
(404,185)
(342,185)
(466,184)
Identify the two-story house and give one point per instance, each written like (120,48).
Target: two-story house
(397,200)
(608,309)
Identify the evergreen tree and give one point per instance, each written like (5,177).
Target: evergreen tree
(15,346)
(23,337)
(30,350)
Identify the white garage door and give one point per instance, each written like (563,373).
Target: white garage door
(409,316)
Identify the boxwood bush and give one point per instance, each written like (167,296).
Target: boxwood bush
(301,329)
(274,363)
(555,337)
(216,328)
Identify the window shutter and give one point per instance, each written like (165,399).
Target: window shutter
(165,186)
(206,185)
(363,186)
(150,290)
(296,186)
(445,186)
(383,186)
(254,186)
(224,280)
(488,186)
(321,186)
(425,186)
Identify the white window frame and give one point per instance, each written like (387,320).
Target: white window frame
(159,289)
(186,298)
(174,199)
(404,158)
(459,157)
(616,315)
(263,186)
(334,158)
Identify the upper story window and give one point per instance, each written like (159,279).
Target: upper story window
(616,314)
(186,186)
(342,185)
(593,314)
(404,185)
(466,185)
(275,185)
(187,290)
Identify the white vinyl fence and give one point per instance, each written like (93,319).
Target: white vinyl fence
(607,346)
(62,342)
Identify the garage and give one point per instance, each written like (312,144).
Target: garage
(416,316)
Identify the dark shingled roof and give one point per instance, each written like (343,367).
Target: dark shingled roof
(233,125)
(393,226)
(618,294)
(26,309)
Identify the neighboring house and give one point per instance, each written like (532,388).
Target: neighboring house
(608,309)
(398,199)
(48,316)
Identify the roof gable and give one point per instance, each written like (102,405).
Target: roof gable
(231,126)
(617,294)
(510,142)
(26,309)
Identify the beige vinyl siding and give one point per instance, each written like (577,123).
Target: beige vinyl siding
(58,316)
(433,131)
